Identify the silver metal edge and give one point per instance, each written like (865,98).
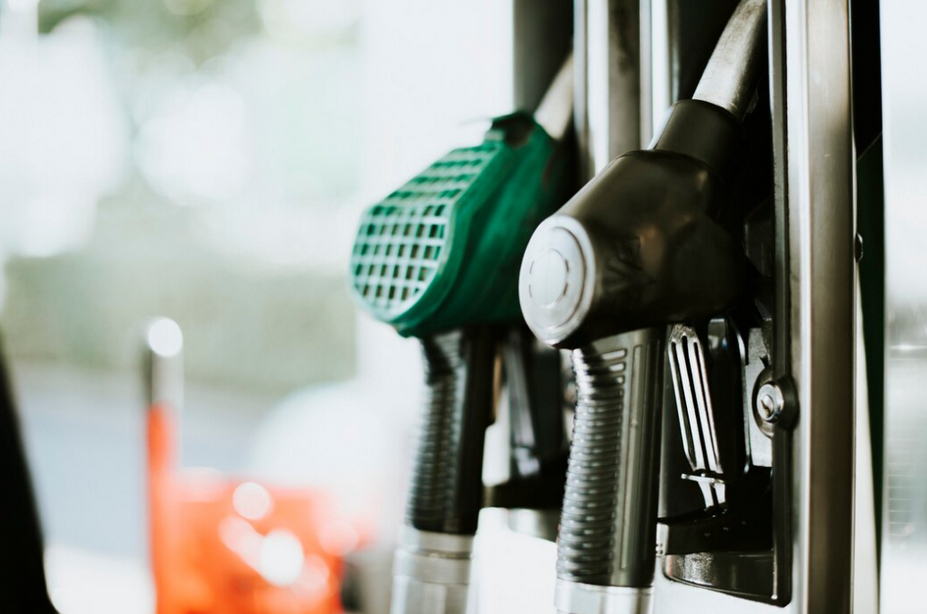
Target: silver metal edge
(431,569)
(415,540)
(820,174)
(578,598)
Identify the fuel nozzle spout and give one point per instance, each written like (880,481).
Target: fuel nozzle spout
(729,79)
(650,241)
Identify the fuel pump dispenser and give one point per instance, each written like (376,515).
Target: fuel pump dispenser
(705,287)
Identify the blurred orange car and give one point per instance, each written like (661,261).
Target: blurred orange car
(225,546)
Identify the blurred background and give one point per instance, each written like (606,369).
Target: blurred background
(207,160)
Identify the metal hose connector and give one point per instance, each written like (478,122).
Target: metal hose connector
(431,573)
(607,540)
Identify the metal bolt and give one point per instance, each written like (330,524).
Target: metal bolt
(769,403)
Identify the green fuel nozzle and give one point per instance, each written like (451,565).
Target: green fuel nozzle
(438,259)
(444,250)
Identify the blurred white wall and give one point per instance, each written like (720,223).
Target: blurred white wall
(216,175)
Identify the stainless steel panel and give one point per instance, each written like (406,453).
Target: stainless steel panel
(904,98)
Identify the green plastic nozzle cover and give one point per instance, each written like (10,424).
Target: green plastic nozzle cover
(444,250)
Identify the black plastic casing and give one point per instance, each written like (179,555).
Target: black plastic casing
(650,241)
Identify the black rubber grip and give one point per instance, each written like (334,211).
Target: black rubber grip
(446,493)
(608,525)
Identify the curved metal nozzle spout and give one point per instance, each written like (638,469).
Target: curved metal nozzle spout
(729,80)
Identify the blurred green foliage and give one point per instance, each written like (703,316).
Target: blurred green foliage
(200,28)
(249,324)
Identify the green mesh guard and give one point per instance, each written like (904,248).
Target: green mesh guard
(443,250)
(399,245)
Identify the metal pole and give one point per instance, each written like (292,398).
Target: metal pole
(542,38)
(821,179)
(608,55)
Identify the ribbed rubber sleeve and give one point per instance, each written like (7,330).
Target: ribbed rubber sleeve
(608,524)
(445,495)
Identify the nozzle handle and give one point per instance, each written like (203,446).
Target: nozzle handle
(608,527)
(532,374)
(432,565)
(447,483)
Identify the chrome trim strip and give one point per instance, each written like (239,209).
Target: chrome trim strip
(821,179)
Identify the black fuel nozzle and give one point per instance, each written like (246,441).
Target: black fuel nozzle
(650,241)
(653,238)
